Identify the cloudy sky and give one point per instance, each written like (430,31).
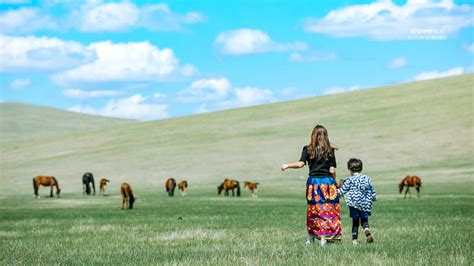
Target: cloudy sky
(151,60)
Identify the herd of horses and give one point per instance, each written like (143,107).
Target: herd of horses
(128,198)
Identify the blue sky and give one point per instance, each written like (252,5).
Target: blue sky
(151,60)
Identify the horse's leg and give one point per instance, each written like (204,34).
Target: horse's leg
(51,194)
(409,193)
(35,188)
(418,190)
(406,191)
(233,194)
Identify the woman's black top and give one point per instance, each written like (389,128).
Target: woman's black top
(318,168)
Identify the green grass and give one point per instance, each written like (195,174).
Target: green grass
(423,128)
(435,229)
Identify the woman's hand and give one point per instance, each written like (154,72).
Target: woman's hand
(284,167)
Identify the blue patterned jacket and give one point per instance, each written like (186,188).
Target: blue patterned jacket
(358,192)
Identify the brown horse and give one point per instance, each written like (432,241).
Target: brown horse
(127,195)
(229,184)
(183,186)
(252,187)
(170,186)
(102,184)
(410,181)
(48,181)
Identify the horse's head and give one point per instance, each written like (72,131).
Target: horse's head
(57,192)
(220,188)
(400,186)
(132,200)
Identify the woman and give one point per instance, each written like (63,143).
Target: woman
(323,212)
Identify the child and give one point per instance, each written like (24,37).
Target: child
(359,194)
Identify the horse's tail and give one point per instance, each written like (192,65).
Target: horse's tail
(238,189)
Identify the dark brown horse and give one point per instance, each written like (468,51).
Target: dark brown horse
(252,187)
(183,186)
(87,178)
(48,181)
(127,196)
(102,184)
(410,181)
(229,184)
(170,186)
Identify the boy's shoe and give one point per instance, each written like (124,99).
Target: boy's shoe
(368,235)
(323,242)
(309,240)
(355,242)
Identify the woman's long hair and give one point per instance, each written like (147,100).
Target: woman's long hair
(319,147)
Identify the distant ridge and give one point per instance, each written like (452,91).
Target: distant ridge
(20,121)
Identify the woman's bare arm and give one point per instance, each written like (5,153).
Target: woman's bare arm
(332,171)
(294,165)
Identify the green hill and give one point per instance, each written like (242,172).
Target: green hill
(21,121)
(423,128)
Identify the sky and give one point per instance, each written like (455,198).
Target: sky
(150,60)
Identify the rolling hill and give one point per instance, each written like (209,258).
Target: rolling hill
(21,121)
(423,128)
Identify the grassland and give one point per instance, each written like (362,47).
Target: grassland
(424,128)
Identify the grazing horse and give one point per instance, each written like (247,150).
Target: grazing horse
(127,195)
(229,184)
(170,186)
(87,178)
(410,181)
(102,184)
(183,186)
(48,181)
(252,187)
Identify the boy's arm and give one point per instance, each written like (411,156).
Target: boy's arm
(345,187)
(374,195)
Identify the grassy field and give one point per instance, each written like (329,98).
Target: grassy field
(423,128)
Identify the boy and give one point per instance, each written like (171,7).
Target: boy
(359,194)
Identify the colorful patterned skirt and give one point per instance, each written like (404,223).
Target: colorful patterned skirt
(323,214)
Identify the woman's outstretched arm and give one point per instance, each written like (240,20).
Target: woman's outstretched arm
(294,165)
(332,171)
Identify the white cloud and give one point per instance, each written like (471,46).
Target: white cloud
(205,90)
(338,89)
(96,16)
(40,53)
(469,47)
(133,107)
(384,20)
(82,94)
(308,57)
(202,109)
(397,63)
(439,74)
(15,2)
(108,16)
(159,96)
(249,41)
(20,83)
(25,20)
(250,96)
(245,96)
(118,62)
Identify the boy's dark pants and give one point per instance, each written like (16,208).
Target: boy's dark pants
(358,217)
